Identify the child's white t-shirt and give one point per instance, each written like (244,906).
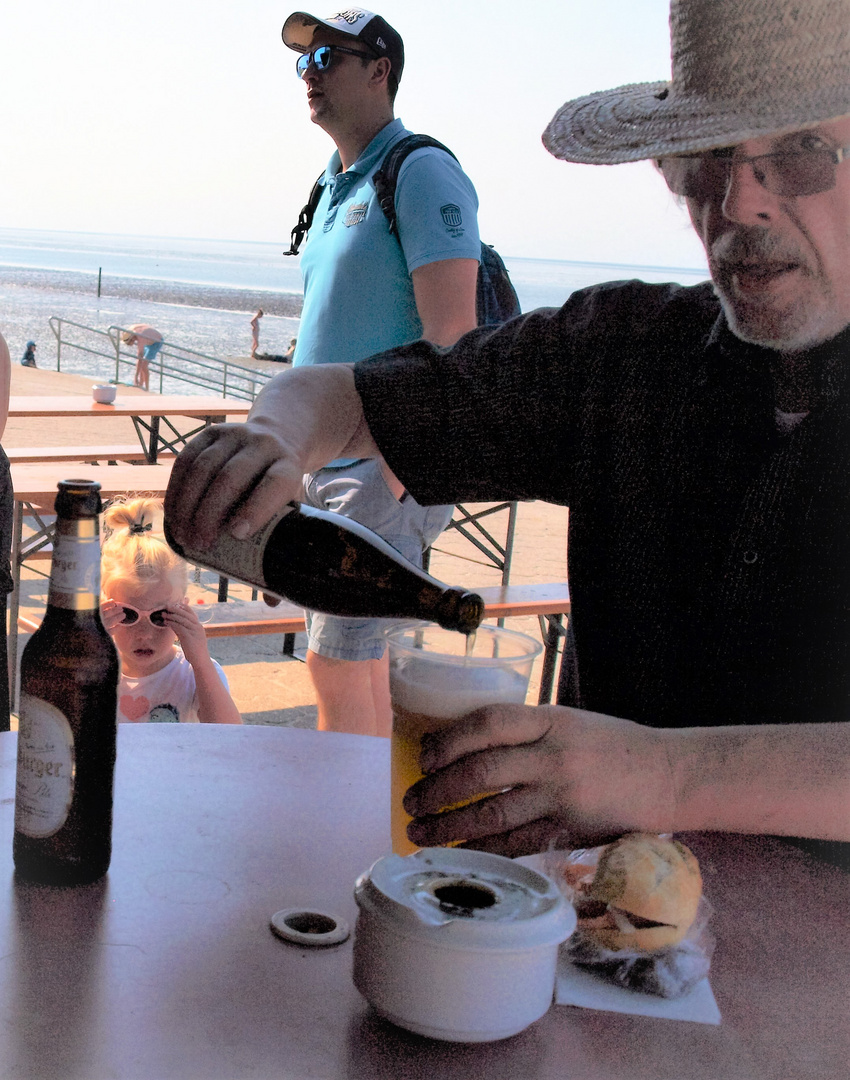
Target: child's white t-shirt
(168,696)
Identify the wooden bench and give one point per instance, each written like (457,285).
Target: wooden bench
(130,452)
(549,603)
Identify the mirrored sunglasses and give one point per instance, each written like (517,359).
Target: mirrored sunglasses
(132,615)
(322,58)
(785,172)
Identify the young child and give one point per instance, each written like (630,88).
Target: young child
(167,673)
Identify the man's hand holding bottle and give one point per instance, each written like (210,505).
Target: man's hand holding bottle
(235,477)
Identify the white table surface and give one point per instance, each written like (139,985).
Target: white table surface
(167,969)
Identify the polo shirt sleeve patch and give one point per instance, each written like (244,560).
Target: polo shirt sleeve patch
(452,216)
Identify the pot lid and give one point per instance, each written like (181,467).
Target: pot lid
(466,898)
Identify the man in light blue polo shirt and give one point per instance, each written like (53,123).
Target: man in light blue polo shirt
(366,290)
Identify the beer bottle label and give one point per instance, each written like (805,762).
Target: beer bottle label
(75,574)
(241,560)
(45,778)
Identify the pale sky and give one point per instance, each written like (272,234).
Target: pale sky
(185,118)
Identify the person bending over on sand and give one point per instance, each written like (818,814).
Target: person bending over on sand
(700,437)
(28,359)
(255,332)
(148,342)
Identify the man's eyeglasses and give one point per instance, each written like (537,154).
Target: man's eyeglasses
(807,171)
(131,615)
(322,58)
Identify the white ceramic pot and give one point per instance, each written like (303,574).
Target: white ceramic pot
(103,394)
(458,945)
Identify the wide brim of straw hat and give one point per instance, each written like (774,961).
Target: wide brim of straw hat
(647,120)
(741,69)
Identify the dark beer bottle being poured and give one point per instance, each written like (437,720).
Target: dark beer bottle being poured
(67,715)
(328,563)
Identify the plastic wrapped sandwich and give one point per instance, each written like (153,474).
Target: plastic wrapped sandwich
(642,918)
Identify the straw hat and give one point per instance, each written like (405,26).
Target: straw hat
(742,69)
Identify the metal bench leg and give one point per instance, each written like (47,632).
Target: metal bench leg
(554,632)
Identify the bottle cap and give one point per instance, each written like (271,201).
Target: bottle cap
(312,928)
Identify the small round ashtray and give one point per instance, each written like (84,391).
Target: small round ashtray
(313,928)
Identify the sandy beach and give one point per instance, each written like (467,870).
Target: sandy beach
(145,290)
(268,687)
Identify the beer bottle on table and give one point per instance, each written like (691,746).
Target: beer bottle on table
(325,562)
(67,714)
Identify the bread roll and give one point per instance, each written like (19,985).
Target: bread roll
(645,880)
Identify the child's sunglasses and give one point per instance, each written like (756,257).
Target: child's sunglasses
(132,615)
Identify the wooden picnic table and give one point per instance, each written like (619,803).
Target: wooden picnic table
(36,483)
(153,415)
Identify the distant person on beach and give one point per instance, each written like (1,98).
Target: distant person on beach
(148,342)
(700,437)
(367,289)
(290,352)
(6,508)
(255,332)
(28,359)
(167,674)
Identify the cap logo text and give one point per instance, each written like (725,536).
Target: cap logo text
(349,15)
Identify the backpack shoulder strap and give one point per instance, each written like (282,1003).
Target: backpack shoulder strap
(305,218)
(386,177)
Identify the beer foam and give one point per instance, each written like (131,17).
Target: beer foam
(450,690)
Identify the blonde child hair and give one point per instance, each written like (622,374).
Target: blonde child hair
(134,551)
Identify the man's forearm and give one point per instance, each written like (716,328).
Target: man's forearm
(790,780)
(585,778)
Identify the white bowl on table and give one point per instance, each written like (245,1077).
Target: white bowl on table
(103,393)
(458,945)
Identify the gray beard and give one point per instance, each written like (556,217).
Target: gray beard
(762,329)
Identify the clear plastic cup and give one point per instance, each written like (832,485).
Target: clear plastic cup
(433,681)
(201,609)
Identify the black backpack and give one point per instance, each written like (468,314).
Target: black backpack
(496,299)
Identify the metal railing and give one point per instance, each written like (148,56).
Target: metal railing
(174,368)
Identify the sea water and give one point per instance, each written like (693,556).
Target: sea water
(200,294)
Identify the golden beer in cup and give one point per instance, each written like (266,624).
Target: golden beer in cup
(435,680)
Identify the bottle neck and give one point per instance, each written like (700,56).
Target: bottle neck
(75,573)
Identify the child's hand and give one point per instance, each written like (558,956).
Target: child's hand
(190,633)
(111,614)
